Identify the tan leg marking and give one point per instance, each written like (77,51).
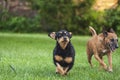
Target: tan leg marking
(68,59)
(56,70)
(65,70)
(58,58)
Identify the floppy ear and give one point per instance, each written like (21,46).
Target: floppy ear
(111,30)
(70,34)
(105,34)
(52,35)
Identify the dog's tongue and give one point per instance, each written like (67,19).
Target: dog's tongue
(113,49)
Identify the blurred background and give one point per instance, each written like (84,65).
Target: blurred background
(43,16)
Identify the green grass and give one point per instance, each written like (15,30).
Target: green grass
(29,57)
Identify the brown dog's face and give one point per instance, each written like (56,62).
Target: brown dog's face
(111,39)
(62,37)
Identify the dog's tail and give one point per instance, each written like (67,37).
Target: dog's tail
(92,30)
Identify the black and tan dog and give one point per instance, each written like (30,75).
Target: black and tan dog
(64,53)
(100,45)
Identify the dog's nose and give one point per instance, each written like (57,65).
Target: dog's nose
(117,46)
(65,38)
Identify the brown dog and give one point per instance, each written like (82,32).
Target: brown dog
(103,44)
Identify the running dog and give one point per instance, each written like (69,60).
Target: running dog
(63,53)
(103,44)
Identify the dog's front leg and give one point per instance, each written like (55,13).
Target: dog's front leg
(100,61)
(109,55)
(59,68)
(65,70)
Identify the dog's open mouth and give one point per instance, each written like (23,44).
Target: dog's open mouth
(112,48)
(64,42)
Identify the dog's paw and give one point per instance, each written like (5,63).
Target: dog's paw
(105,68)
(66,73)
(110,70)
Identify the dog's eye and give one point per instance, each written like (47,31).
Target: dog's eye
(112,40)
(59,35)
(67,34)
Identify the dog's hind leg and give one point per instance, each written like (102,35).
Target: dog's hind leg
(89,59)
(89,56)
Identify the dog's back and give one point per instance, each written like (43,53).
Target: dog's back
(92,41)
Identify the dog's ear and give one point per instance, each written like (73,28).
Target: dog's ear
(52,35)
(105,33)
(111,30)
(70,34)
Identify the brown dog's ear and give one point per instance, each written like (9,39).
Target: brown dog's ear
(111,30)
(70,34)
(52,35)
(105,33)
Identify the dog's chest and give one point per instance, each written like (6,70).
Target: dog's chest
(63,59)
(104,51)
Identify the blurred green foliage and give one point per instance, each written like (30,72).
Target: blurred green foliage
(54,15)
(9,22)
(112,19)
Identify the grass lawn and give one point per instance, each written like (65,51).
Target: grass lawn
(29,57)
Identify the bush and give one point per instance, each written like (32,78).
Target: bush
(19,23)
(53,15)
(112,18)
